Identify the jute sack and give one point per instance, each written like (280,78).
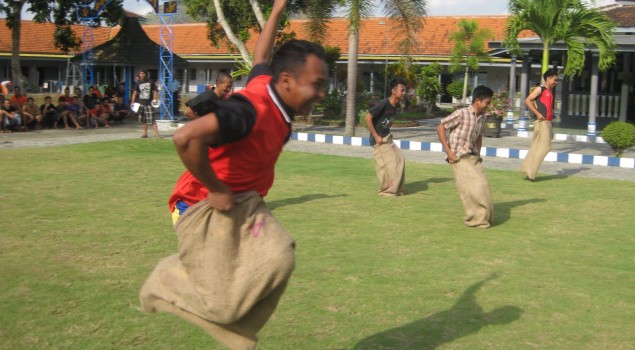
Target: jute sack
(390,166)
(540,146)
(474,191)
(230,271)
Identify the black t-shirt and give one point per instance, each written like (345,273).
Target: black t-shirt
(383,114)
(91,101)
(203,103)
(44,109)
(145,91)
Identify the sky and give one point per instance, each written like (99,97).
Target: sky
(435,7)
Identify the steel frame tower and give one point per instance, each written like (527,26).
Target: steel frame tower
(166,65)
(89,16)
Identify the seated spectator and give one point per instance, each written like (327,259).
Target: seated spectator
(91,101)
(11,118)
(121,110)
(67,95)
(71,112)
(49,113)
(18,100)
(82,114)
(103,113)
(31,115)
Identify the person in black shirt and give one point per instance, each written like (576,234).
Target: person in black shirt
(389,161)
(145,91)
(204,103)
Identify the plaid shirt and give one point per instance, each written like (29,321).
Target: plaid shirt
(465,128)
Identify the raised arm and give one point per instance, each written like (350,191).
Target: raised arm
(266,39)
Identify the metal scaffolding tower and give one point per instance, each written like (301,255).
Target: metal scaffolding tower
(88,14)
(166,66)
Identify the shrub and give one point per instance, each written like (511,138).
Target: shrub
(619,136)
(455,89)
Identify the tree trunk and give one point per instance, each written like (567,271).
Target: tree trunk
(545,58)
(351,83)
(16,72)
(230,34)
(258,12)
(467,76)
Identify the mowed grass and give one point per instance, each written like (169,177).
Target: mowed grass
(83,226)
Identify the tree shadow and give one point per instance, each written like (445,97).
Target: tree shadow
(298,200)
(464,318)
(419,186)
(502,211)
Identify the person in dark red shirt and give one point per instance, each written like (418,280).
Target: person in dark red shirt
(540,103)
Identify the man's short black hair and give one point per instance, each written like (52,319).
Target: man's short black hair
(549,73)
(292,55)
(396,81)
(222,76)
(481,92)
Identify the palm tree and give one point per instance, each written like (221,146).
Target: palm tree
(570,21)
(405,17)
(469,49)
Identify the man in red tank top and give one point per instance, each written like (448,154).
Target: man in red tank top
(540,103)
(250,128)
(230,153)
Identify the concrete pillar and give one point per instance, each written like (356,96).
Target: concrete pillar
(186,80)
(524,84)
(591,126)
(512,90)
(627,78)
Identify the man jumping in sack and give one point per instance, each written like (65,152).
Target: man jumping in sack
(234,257)
(540,103)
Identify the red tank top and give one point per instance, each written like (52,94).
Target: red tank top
(545,103)
(247,164)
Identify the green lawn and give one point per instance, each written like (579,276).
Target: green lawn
(83,226)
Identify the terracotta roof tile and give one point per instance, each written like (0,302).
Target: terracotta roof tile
(37,38)
(624,15)
(191,39)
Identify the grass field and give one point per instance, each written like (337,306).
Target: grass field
(83,226)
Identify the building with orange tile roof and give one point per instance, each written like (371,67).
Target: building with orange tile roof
(378,46)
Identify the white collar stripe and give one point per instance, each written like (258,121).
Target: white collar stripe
(278,104)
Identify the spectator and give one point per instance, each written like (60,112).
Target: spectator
(31,114)
(103,113)
(71,112)
(50,115)
(91,100)
(121,111)
(18,100)
(11,118)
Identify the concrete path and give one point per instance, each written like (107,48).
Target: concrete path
(424,133)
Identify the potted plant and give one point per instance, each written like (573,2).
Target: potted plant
(495,114)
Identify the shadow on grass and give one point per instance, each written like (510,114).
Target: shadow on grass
(298,200)
(502,211)
(414,187)
(464,318)
(561,175)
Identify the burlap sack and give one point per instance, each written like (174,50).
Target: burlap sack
(540,146)
(474,191)
(230,272)
(390,166)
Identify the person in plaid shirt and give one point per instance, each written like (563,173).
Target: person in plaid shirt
(463,150)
